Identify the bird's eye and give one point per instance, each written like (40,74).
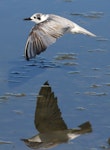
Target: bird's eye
(34,17)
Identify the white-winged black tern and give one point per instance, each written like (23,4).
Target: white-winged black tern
(47,29)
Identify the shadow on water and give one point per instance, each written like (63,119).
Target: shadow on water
(50,124)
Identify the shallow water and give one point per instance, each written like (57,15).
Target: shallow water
(76,66)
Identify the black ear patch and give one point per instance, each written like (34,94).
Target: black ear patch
(38,17)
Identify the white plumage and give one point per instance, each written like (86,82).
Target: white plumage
(47,29)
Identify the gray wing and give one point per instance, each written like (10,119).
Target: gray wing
(41,36)
(47,115)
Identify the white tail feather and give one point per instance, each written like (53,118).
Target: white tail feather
(78,29)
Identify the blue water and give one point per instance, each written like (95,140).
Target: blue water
(83,89)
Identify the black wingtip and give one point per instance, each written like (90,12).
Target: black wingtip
(26,56)
(46,83)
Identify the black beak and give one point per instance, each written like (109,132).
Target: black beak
(27,19)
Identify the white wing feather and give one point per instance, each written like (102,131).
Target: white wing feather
(46,33)
(41,36)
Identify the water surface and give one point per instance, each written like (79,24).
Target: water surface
(76,66)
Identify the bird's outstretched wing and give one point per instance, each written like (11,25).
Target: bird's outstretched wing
(41,36)
(47,115)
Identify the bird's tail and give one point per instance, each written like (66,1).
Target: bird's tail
(85,127)
(82,129)
(78,29)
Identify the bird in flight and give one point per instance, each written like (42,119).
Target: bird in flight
(48,28)
(50,124)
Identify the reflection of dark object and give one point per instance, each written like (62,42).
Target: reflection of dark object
(109,141)
(50,124)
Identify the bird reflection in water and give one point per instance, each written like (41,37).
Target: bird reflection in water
(50,124)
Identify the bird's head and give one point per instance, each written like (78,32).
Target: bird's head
(38,18)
